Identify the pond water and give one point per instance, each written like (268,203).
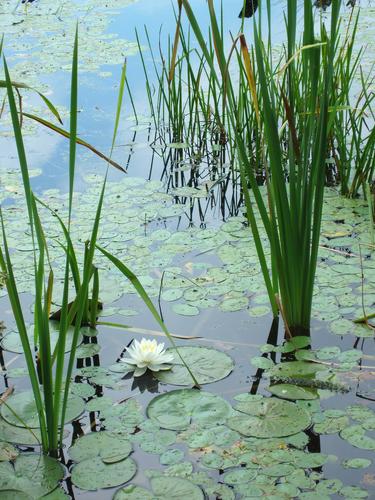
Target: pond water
(199,248)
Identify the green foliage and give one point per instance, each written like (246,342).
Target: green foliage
(49,403)
(292,213)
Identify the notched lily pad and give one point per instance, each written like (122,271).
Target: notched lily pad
(207,365)
(292,392)
(110,446)
(269,418)
(21,410)
(19,435)
(356,436)
(176,410)
(32,474)
(93,474)
(175,488)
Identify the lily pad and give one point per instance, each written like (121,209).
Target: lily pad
(175,488)
(87,350)
(19,435)
(292,392)
(185,309)
(356,463)
(356,436)
(12,341)
(331,425)
(133,492)
(269,418)
(176,410)
(262,363)
(296,369)
(93,474)
(21,410)
(32,474)
(110,446)
(207,365)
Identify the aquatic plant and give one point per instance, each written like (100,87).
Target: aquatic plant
(291,213)
(50,377)
(148,355)
(193,126)
(52,371)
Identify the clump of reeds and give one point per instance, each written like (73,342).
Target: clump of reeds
(294,109)
(50,378)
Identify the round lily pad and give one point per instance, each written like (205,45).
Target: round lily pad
(239,476)
(32,474)
(269,418)
(356,436)
(171,457)
(19,435)
(176,410)
(21,409)
(87,350)
(93,474)
(262,362)
(207,365)
(82,390)
(296,369)
(133,492)
(352,492)
(14,495)
(12,341)
(110,446)
(292,392)
(331,425)
(185,309)
(356,463)
(175,488)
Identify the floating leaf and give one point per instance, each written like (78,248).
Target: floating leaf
(21,410)
(352,492)
(269,418)
(33,474)
(296,369)
(133,492)
(356,463)
(110,446)
(208,365)
(331,425)
(185,309)
(171,457)
(178,409)
(93,474)
(175,488)
(87,350)
(292,392)
(356,436)
(262,362)
(239,476)
(19,435)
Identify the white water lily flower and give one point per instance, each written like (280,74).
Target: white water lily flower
(148,355)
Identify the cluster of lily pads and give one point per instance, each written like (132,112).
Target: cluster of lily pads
(257,447)
(140,229)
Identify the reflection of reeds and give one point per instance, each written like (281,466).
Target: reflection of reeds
(187,105)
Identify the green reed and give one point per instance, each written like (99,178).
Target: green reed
(293,106)
(51,390)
